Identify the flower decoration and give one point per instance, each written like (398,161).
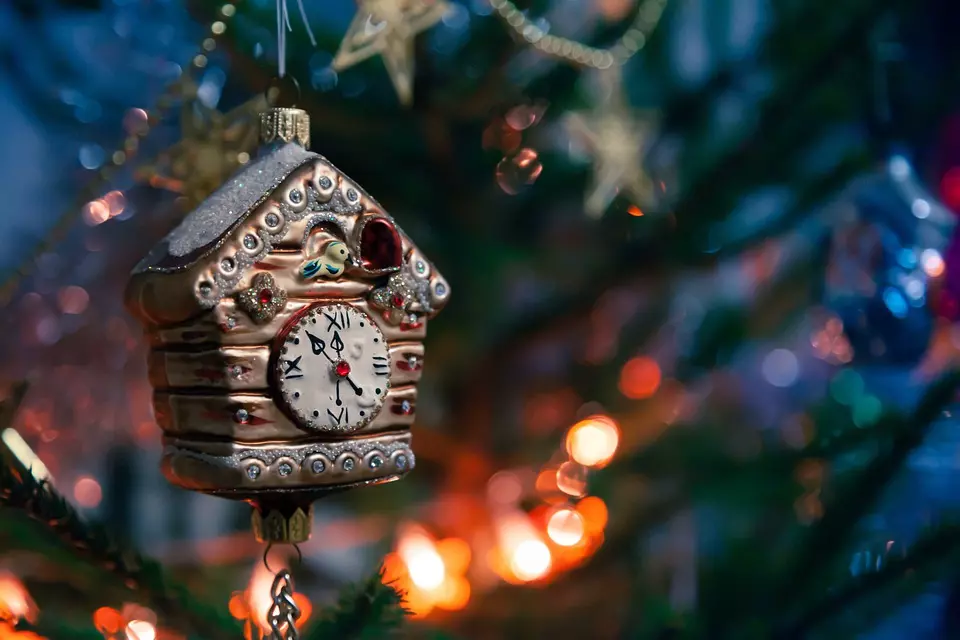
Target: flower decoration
(263,300)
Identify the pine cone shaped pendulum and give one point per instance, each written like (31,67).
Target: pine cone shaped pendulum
(286,316)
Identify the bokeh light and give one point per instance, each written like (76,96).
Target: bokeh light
(572,479)
(15,602)
(141,630)
(87,492)
(594,512)
(640,378)
(520,170)
(504,487)
(73,299)
(530,560)
(593,442)
(96,212)
(781,368)
(933,264)
(424,563)
(565,527)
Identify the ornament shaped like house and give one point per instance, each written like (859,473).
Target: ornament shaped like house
(286,316)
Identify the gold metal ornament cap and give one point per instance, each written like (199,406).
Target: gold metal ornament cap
(285,124)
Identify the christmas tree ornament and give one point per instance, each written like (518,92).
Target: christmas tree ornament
(286,316)
(888,238)
(387,28)
(616,139)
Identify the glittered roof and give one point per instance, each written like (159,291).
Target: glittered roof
(224,209)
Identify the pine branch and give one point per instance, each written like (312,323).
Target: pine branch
(935,554)
(365,611)
(831,534)
(39,500)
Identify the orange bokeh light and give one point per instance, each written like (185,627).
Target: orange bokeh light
(640,378)
(634,211)
(96,212)
(594,512)
(429,573)
(15,602)
(593,442)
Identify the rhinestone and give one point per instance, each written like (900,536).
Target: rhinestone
(296,197)
(375,462)
(242,416)
(440,289)
(284,469)
(250,241)
(325,182)
(231,322)
(273,219)
(405,406)
(265,297)
(351,195)
(401,462)
(227,264)
(421,267)
(342,369)
(236,371)
(318,466)
(206,289)
(253,472)
(412,362)
(412,318)
(348,464)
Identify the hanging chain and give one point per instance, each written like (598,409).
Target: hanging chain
(629,44)
(284,612)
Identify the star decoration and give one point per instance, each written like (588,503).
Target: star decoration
(387,28)
(212,146)
(617,139)
(263,300)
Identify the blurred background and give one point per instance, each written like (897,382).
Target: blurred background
(694,377)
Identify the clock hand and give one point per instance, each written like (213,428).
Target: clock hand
(318,346)
(339,402)
(356,389)
(337,343)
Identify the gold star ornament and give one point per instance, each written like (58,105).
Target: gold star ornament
(617,139)
(212,146)
(387,28)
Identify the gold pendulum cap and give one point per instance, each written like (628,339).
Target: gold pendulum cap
(289,524)
(285,124)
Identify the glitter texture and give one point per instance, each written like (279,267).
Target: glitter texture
(235,198)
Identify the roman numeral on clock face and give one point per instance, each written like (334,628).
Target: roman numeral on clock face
(292,368)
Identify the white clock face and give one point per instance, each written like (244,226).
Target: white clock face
(333,368)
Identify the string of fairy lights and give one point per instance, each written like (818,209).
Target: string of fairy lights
(528,547)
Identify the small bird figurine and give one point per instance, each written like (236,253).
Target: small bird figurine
(330,264)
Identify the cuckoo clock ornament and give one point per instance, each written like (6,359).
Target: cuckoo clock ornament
(286,318)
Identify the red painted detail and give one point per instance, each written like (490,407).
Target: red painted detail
(209,374)
(380,245)
(410,326)
(255,420)
(404,362)
(403,407)
(342,368)
(268,266)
